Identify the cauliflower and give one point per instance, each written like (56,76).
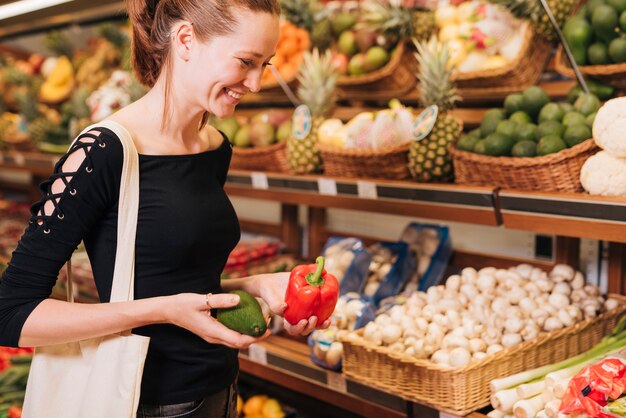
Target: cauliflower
(609,127)
(603,174)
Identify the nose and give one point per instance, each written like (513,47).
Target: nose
(253,81)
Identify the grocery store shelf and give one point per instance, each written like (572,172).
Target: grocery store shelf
(438,201)
(285,361)
(36,163)
(565,214)
(69,13)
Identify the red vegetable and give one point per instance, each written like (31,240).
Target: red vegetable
(311,292)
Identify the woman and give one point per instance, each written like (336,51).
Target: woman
(199,57)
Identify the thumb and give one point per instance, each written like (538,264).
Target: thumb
(222,300)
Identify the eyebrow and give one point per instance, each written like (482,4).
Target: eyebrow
(258,55)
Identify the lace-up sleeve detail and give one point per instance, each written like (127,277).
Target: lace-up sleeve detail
(83,187)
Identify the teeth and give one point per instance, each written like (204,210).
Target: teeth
(233,94)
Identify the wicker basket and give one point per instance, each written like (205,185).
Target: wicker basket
(384,163)
(270,158)
(466,389)
(520,73)
(395,79)
(613,74)
(558,172)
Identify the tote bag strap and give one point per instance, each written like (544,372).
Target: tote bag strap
(124,272)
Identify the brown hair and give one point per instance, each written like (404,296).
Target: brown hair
(152,22)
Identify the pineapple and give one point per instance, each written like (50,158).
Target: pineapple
(317,78)
(396,22)
(39,128)
(429,159)
(533,11)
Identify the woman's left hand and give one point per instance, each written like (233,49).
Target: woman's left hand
(272,288)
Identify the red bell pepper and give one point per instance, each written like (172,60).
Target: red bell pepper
(311,292)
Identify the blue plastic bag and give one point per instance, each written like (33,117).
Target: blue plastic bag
(401,270)
(341,252)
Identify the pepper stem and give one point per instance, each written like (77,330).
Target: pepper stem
(316,279)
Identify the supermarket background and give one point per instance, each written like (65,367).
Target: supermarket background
(474,243)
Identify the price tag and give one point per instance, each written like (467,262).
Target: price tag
(19,160)
(367,190)
(257,353)
(424,122)
(259,181)
(336,381)
(327,187)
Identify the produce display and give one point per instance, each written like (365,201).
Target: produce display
(318,78)
(534,12)
(265,128)
(544,392)
(531,125)
(14,368)
(479,313)
(429,159)
(480,36)
(605,172)
(292,42)
(595,33)
(260,406)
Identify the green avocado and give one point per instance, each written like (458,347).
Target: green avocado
(245,318)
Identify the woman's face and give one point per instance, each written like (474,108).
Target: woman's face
(222,70)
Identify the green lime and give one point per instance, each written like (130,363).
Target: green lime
(520,117)
(479,148)
(513,103)
(534,99)
(576,134)
(573,94)
(591,6)
(618,5)
(497,144)
(550,144)
(527,132)
(573,118)
(507,128)
(550,127)
(622,21)
(524,148)
(604,20)
(598,54)
(587,103)
(566,107)
(617,50)
(591,119)
(490,121)
(551,111)
(467,143)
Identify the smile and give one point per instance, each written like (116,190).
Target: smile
(233,94)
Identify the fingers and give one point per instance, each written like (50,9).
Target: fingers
(226,336)
(221,300)
(278,308)
(303,327)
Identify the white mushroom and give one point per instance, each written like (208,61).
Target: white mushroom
(516,294)
(451,341)
(397,347)
(485,282)
(563,270)
(477,345)
(391,333)
(538,274)
(469,290)
(528,305)
(578,282)
(592,290)
(511,339)
(459,357)
(565,317)
(513,325)
(611,304)
(563,287)
(494,348)
(468,275)
(552,324)
(524,270)
(441,357)
(558,300)
(579,295)
(544,284)
(479,355)
(453,283)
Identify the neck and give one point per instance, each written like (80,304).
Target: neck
(180,123)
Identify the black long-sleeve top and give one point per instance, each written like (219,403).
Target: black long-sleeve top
(186,228)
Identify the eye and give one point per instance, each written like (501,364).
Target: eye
(246,63)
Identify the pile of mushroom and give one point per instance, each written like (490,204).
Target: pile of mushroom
(478,313)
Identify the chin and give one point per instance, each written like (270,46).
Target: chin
(223,111)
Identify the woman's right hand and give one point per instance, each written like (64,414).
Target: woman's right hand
(192,312)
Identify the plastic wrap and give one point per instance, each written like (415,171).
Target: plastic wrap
(347,260)
(391,267)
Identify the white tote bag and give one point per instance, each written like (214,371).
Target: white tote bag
(98,377)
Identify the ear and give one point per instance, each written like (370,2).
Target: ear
(183,40)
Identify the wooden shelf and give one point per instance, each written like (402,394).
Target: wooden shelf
(438,201)
(565,214)
(285,361)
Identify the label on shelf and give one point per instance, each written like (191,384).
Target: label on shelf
(327,186)
(259,181)
(19,160)
(258,354)
(367,190)
(336,381)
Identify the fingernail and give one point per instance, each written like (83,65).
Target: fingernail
(234,299)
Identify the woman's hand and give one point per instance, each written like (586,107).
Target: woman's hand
(192,311)
(271,288)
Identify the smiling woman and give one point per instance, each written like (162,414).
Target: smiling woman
(198,57)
